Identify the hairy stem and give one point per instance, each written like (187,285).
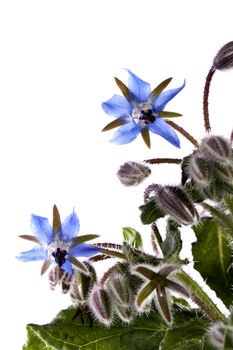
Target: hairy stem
(183,132)
(200,297)
(206,99)
(163,160)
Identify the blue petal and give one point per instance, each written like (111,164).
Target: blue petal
(70,227)
(37,253)
(67,266)
(42,229)
(84,250)
(117,106)
(160,127)
(139,88)
(126,133)
(162,99)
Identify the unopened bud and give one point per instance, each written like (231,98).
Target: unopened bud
(120,290)
(82,284)
(217,149)
(124,313)
(176,203)
(100,305)
(59,276)
(133,173)
(216,335)
(224,58)
(199,170)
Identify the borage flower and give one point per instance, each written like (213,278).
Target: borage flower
(58,243)
(141,110)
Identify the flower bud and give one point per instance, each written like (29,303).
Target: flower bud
(199,170)
(216,335)
(124,313)
(100,305)
(224,58)
(120,290)
(217,149)
(133,173)
(175,202)
(82,283)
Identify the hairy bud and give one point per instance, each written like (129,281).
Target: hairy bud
(175,202)
(216,335)
(59,276)
(124,313)
(199,170)
(82,283)
(133,173)
(224,58)
(100,304)
(120,290)
(217,149)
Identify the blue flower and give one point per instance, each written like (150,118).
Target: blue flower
(58,243)
(141,110)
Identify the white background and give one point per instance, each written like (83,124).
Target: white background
(57,63)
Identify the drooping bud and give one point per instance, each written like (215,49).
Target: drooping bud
(124,313)
(176,203)
(224,58)
(216,335)
(59,276)
(133,173)
(199,170)
(120,289)
(82,284)
(217,149)
(100,304)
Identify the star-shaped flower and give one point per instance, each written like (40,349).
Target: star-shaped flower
(157,284)
(58,243)
(141,110)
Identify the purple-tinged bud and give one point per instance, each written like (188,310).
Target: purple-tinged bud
(176,203)
(199,170)
(133,173)
(100,305)
(224,58)
(124,313)
(216,335)
(82,284)
(121,291)
(59,276)
(217,149)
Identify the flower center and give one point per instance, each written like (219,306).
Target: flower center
(143,114)
(59,256)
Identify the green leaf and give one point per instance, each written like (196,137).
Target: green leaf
(186,335)
(212,257)
(63,333)
(132,237)
(146,333)
(84,238)
(150,212)
(172,244)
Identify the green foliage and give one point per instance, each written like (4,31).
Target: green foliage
(150,212)
(146,332)
(212,257)
(132,237)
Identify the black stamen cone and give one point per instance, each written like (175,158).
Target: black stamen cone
(59,256)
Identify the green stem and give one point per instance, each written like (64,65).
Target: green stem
(200,297)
